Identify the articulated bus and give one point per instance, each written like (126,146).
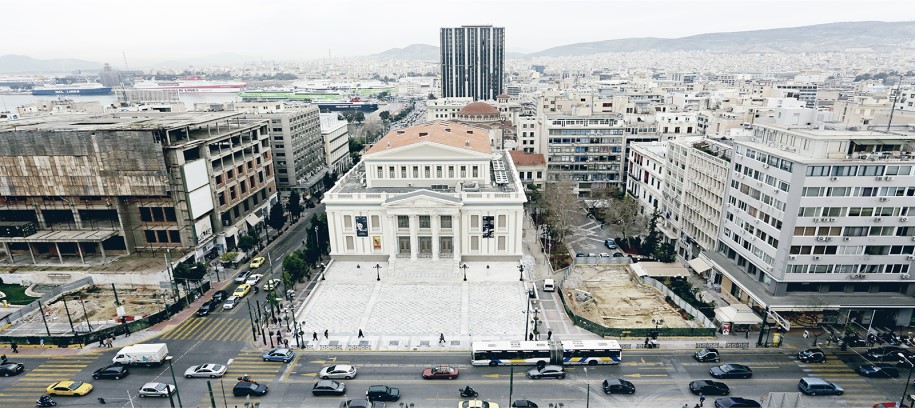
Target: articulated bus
(569,352)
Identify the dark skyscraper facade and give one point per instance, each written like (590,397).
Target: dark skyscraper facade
(473,61)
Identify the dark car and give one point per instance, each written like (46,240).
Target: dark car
(581,255)
(328,387)
(736,402)
(889,354)
(550,371)
(812,355)
(707,355)
(881,370)
(618,255)
(616,386)
(523,404)
(206,308)
(854,340)
(709,387)
(244,388)
(10,368)
(610,244)
(114,371)
(382,393)
(220,296)
(361,403)
(731,371)
(441,372)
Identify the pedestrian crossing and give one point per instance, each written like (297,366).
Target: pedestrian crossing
(221,329)
(35,380)
(859,390)
(246,362)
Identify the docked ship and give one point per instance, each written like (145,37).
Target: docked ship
(193,85)
(82,88)
(354,104)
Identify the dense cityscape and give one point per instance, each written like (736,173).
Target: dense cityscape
(723,219)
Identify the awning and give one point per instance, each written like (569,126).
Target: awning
(699,265)
(230,232)
(253,220)
(658,269)
(737,314)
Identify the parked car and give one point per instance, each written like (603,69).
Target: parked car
(890,405)
(361,403)
(549,285)
(440,372)
(619,255)
(243,388)
(155,389)
(523,404)
(812,355)
(10,368)
(242,276)
(581,255)
(604,255)
(477,404)
(736,402)
(382,393)
(889,354)
(818,386)
(69,388)
(548,371)
(205,371)
(328,387)
(709,387)
(617,386)
(279,354)
(610,244)
(707,355)
(230,303)
(343,371)
(880,370)
(220,296)
(854,340)
(114,371)
(206,308)
(731,371)
(256,262)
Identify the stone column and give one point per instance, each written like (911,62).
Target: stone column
(435,221)
(414,236)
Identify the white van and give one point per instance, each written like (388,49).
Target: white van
(549,285)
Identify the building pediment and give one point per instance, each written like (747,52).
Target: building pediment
(422,199)
(426,151)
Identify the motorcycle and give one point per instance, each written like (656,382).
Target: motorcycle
(468,392)
(45,401)
(246,378)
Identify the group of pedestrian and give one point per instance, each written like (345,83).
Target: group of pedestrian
(106,342)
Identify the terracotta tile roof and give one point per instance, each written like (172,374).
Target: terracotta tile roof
(445,133)
(522,158)
(478,108)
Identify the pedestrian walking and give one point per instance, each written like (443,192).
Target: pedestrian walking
(646,342)
(110,342)
(360,334)
(325,333)
(101,342)
(286,343)
(549,335)
(314,336)
(41,342)
(3,359)
(701,399)
(15,347)
(441,338)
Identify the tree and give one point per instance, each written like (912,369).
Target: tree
(329,179)
(359,117)
(294,205)
(652,241)
(277,218)
(431,96)
(624,213)
(295,266)
(183,271)
(562,202)
(385,115)
(247,242)
(666,252)
(355,150)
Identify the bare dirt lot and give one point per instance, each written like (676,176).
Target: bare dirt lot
(138,301)
(615,298)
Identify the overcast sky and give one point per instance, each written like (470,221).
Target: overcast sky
(151,31)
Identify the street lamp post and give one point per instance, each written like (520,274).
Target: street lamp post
(464,267)
(521,275)
(527,318)
(657,324)
(172,369)
(908,381)
(323,270)
(377,272)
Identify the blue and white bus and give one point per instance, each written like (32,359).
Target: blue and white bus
(569,352)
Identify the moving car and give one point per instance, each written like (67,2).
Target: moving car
(889,354)
(441,372)
(69,388)
(880,370)
(328,387)
(617,386)
(382,393)
(709,387)
(279,354)
(343,371)
(736,402)
(155,389)
(254,279)
(477,404)
(707,355)
(242,290)
(548,371)
(523,404)
(10,368)
(115,371)
(242,276)
(731,371)
(257,262)
(206,371)
(230,303)
(549,285)
(244,388)
(812,355)
(818,386)
(361,403)
(272,284)
(220,296)
(206,308)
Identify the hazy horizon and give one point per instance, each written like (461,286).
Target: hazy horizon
(100,30)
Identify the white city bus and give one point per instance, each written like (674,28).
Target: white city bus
(570,352)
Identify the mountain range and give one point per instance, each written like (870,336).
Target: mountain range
(874,35)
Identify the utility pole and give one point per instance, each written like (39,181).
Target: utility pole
(64,298)
(44,318)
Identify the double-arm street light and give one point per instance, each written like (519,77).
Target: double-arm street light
(172,369)
(464,267)
(908,381)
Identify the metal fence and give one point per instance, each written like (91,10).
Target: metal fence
(46,298)
(679,302)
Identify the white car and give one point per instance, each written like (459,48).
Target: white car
(272,284)
(205,371)
(343,371)
(230,303)
(155,389)
(253,279)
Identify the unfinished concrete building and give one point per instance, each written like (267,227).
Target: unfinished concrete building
(81,189)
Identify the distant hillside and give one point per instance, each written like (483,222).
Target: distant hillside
(11,64)
(225,58)
(879,36)
(419,52)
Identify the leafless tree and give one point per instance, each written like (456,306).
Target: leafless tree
(563,205)
(624,213)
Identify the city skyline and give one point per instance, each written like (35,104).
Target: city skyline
(107,30)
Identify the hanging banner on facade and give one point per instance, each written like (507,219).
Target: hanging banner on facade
(376,242)
(487,226)
(362,223)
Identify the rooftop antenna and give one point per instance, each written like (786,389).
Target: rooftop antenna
(893,109)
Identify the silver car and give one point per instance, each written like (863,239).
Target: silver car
(155,389)
(346,372)
(205,371)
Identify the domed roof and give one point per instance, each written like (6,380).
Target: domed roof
(477,109)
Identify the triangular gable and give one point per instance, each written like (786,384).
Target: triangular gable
(422,198)
(426,150)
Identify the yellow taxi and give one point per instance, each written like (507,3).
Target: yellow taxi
(256,262)
(69,388)
(242,290)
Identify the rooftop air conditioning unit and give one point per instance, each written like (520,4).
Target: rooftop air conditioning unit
(889,178)
(833,178)
(883,198)
(905,276)
(847,238)
(832,219)
(910,257)
(878,178)
(904,219)
(816,258)
(792,257)
(821,238)
(878,219)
